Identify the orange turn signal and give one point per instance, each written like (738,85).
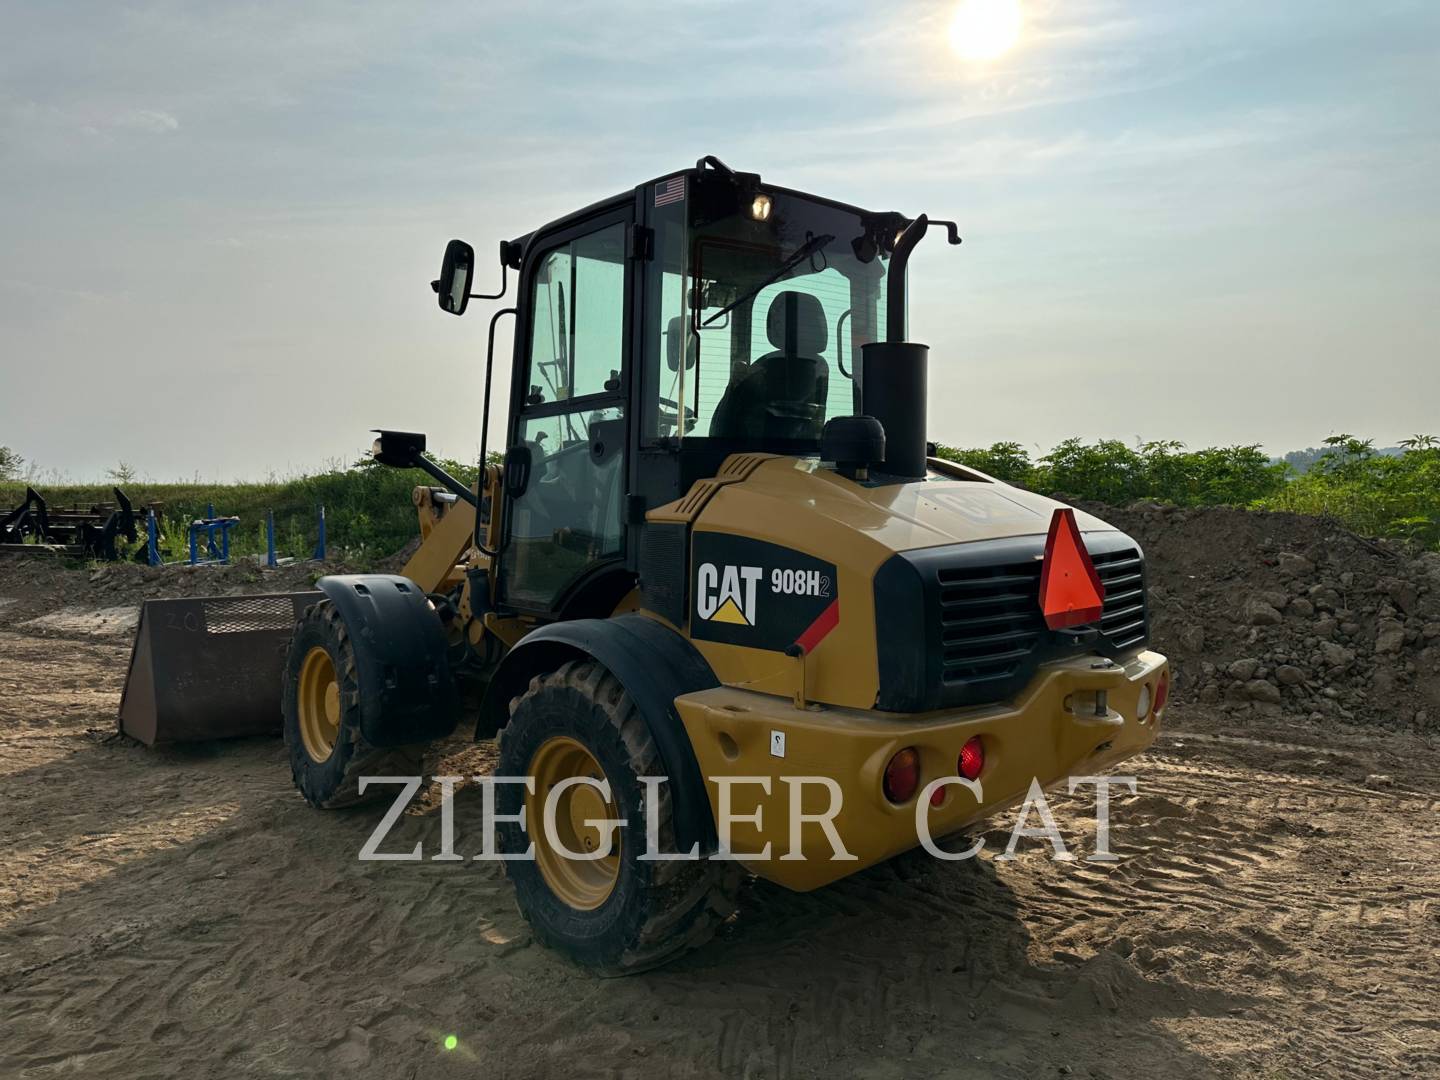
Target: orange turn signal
(902,775)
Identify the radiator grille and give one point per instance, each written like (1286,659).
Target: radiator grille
(991,622)
(1123,575)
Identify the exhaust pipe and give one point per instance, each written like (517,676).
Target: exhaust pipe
(893,372)
(892,375)
(892,385)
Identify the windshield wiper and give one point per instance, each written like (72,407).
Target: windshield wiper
(814,244)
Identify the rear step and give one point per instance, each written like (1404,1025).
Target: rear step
(209,667)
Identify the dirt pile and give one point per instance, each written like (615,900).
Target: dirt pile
(1287,615)
(50,588)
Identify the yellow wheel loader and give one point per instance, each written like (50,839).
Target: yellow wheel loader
(720,590)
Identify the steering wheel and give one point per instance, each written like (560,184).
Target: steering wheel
(689,412)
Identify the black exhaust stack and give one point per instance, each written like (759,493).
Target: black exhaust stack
(893,371)
(892,376)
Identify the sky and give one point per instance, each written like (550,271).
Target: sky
(1215,222)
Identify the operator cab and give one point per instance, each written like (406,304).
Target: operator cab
(771,293)
(659,332)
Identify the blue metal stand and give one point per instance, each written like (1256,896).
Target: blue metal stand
(152,539)
(210,526)
(211,551)
(320,546)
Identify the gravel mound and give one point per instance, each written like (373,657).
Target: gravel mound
(1283,615)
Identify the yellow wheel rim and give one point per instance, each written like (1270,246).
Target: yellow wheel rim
(319,704)
(582,884)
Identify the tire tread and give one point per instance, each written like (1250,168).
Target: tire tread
(364,759)
(685,901)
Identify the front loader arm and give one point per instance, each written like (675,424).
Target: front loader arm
(447,515)
(447,532)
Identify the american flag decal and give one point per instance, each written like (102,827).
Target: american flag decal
(672,190)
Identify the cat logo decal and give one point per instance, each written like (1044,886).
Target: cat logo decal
(758,594)
(726,594)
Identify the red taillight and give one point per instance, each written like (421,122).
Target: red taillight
(902,775)
(972,758)
(1162,691)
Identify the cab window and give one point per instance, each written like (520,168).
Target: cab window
(577,337)
(753,322)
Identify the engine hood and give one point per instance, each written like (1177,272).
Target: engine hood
(955,506)
(782,552)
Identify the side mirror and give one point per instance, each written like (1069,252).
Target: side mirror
(674,334)
(456,271)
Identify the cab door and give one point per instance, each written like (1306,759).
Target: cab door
(569,411)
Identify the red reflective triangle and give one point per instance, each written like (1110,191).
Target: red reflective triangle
(1071,593)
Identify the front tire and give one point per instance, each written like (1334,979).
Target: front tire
(321,704)
(621,914)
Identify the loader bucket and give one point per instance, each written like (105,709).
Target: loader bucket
(209,667)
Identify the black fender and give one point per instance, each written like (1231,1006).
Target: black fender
(597,592)
(407,693)
(655,665)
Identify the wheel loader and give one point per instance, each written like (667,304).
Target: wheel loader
(719,589)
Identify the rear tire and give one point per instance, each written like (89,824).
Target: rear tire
(653,910)
(321,704)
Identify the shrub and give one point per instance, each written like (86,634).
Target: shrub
(1376,494)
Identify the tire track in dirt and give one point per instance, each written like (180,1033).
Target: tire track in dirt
(1277,872)
(1260,922)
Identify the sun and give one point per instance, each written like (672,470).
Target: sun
(985,29)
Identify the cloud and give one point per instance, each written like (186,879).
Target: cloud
(142,121)
(154,120)
(95,120)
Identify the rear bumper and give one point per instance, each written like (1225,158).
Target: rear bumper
(1052,730)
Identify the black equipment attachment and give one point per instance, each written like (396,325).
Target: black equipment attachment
(34,527)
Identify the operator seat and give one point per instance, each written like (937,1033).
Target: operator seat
(782,394)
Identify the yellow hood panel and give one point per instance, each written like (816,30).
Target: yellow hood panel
(896,517)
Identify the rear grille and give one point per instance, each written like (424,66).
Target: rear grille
(989,620)
(983,634)
(1123,575)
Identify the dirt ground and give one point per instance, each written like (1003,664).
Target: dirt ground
(1275,913)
